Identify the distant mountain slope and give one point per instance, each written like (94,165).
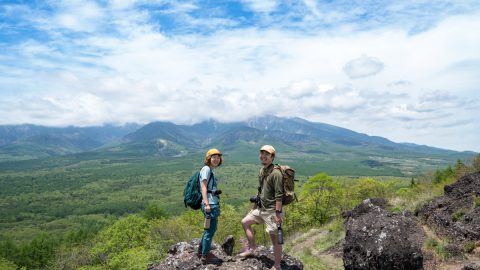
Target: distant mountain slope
(314,146)
(31,141)
(311,147)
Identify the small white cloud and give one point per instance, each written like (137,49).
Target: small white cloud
(261,6)
(80,16)
(399,83)
(362,67)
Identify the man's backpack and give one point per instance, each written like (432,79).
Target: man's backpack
(192,196)
(288,178)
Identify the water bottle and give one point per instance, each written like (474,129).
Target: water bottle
(280,234)
(206,224)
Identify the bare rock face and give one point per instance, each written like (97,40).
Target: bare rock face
(185,256)
(454,214)
(376,239)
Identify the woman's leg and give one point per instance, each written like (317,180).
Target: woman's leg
(208,236)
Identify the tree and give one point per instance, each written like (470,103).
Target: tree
(38,252)
(154,211)
(321,198)
(476,163)
(366,188)
(126,233)
(7,265)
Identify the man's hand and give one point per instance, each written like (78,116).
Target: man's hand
(278,218)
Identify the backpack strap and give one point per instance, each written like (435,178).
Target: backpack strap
(208,182)
(264,178)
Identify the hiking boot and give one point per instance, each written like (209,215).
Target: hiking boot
(275,268)
(247,253)
(210,258)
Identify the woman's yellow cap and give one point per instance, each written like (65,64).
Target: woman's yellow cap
(213,151)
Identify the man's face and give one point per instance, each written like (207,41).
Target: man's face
(265,157)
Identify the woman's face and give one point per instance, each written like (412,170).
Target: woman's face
(215,160)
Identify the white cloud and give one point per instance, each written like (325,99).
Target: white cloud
(261,6)
(362,67)
(411,86)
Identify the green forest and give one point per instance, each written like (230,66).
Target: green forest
(74,213)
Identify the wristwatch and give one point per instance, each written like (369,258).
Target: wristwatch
(278,211)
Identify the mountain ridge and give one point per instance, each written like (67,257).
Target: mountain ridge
(311,146)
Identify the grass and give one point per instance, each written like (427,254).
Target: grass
(458,215)
(311,246)
(476,201)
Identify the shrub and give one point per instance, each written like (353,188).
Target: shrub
(476,201)
(458,215)
(154,211)
(134,259)
(367,188)
(126,233)
(476,163)
(7,265)
(469,247)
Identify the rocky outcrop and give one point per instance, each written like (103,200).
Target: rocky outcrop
(455,214)
(376,239)
(184,256)
(471,266)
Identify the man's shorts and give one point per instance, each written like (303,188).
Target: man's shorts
(261,216)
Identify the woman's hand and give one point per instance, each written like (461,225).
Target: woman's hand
(207,208)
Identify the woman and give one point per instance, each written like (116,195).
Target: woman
(210,202)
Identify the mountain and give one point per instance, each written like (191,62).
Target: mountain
(295,132)
(19,142)
(310,146)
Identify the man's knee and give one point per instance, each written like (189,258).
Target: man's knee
(247,221)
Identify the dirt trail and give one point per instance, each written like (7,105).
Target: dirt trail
(306,243)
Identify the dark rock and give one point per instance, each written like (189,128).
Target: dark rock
(471,266)
(228,245)
(453,215)
(185,258)
(454,250)
(376,239)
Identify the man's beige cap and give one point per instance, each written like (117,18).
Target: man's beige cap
(268,148)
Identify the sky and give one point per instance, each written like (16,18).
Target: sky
(407,70)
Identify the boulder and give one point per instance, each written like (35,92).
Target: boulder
(471,266)
(376,239)
(454,214)
(184,256)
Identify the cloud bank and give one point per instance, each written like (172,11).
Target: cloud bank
(408,72)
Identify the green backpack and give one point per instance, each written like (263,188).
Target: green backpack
(192,197)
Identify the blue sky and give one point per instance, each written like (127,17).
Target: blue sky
(405,70)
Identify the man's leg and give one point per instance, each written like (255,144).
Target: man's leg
(277,251)
(247,223)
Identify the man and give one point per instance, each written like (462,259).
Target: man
(269,206)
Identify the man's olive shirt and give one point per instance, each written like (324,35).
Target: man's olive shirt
(272,188)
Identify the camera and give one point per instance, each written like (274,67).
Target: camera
(255,200)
